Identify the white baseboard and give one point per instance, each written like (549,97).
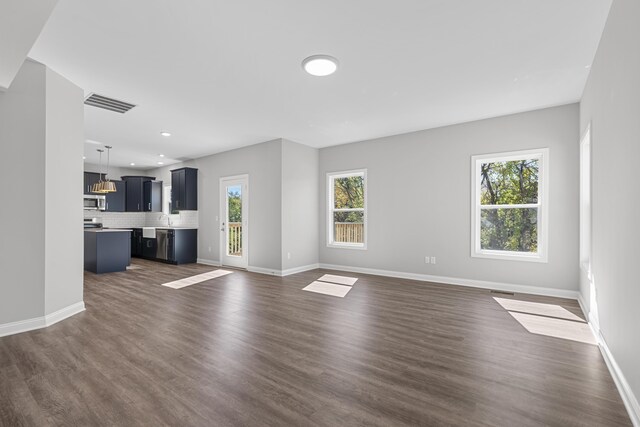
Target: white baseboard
(261,270)
(22,326)
(535,290)
(283,273)
(62,314)
(629,399)
(208,262)
(300,269)
(40,322)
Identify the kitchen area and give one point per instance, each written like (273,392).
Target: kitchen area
(139,217)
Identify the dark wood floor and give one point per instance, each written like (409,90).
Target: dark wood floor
(250,349)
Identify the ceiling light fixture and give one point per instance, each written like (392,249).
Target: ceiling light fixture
(161,163)
(132,164)
(161,155)
(165,133)
(320,65)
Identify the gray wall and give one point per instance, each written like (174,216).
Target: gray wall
(22,135)
(41,134)
(611,102)
(63,216)
(419,191)
(300,205)
(263,164)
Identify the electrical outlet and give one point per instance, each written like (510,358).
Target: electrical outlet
(433,260)
(426,260)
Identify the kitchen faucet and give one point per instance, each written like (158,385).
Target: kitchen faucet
(168,219)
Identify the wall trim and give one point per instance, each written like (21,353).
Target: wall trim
(208,262)
(22,326)
(40,322)
(300,269)
(525,289)
(626,393)
(64,313)
(262,270)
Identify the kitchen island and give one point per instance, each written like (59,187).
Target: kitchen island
(107,251)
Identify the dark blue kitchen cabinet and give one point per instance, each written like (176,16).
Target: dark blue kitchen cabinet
(136,242)
(184,189)
(152,195)
(90,178)
(116,202)
(149,248)
(135,192)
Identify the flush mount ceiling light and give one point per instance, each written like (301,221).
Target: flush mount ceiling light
(161,155)
(320,65)
(132,164)
(161,163)
(165,133)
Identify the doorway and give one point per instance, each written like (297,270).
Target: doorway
(234,225)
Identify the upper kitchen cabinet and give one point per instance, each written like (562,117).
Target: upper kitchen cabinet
(152,194)
(135,192)
(90,178)
(116,202)
(184,189)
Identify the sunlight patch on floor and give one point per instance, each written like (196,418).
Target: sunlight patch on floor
(328,289)
(339,280)
(550,310)
(548,319)
(192,280)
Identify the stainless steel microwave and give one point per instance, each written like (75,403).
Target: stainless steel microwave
(94,202)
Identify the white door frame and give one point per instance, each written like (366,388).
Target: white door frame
(586,229)
(245,219)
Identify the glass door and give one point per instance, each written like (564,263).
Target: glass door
(234,228)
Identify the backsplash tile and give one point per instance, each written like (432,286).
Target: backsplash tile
(144,219)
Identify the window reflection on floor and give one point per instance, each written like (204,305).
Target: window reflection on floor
(548,319)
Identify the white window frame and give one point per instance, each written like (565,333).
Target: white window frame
(543,205)
(331,176)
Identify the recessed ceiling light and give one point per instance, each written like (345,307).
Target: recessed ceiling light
(165,133)
(320,65)
(161,155)
(84,157)
(161,163)
(132,164)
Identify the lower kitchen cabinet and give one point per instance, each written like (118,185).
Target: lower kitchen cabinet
(183,246)
(136,242)
(149,248)
(172,245)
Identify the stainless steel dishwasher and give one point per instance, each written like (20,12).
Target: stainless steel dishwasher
(162,239)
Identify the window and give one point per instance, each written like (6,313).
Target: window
(509,205)
(166,200)
(347,209)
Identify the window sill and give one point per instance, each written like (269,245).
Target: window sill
(514,256)
(347,246)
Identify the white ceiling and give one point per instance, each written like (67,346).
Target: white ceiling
(222,74)
(21,21)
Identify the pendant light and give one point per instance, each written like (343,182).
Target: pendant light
(107,185)
(98,187)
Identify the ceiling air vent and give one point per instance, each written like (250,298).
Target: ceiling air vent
(110,104)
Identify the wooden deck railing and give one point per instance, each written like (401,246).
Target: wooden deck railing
(349,232)
(235,238)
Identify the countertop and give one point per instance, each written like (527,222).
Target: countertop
(107,230)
